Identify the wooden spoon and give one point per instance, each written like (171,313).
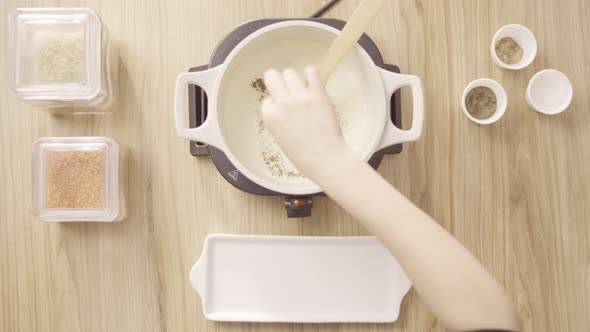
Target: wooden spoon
(363,15)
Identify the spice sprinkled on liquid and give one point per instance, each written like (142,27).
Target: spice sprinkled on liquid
(274,159)
(258,85)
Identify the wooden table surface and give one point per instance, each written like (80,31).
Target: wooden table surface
(516,193)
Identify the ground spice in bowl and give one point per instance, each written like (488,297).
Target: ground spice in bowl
(509,51)
(75,179)
(481,102)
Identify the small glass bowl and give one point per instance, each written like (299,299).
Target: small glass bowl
(56,57)
(78,179)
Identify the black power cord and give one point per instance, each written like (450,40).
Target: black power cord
(324,8)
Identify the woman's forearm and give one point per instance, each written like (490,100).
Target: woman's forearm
(301,118)
(447,277)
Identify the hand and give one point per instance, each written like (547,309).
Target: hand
(301,118)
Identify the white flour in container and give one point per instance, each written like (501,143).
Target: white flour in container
(59,57)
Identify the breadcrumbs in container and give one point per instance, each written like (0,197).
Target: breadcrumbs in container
(78,179)
(59,57)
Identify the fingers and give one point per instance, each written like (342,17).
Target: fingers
(313,79)
(275,84)
(268,109)
(293,80)
(280,85)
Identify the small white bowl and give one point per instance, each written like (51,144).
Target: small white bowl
(524,37)
(549,92)
(501,100)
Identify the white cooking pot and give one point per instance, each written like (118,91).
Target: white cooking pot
(360,90)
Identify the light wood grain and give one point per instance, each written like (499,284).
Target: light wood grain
(516,193)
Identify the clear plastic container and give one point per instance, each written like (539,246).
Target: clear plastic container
(78,179)
(59,57)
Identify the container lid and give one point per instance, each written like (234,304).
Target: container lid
(55,53)
(76,179)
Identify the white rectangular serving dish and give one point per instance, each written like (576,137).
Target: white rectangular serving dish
(258,278)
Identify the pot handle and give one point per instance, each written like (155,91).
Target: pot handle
(208,132)
(393,135)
